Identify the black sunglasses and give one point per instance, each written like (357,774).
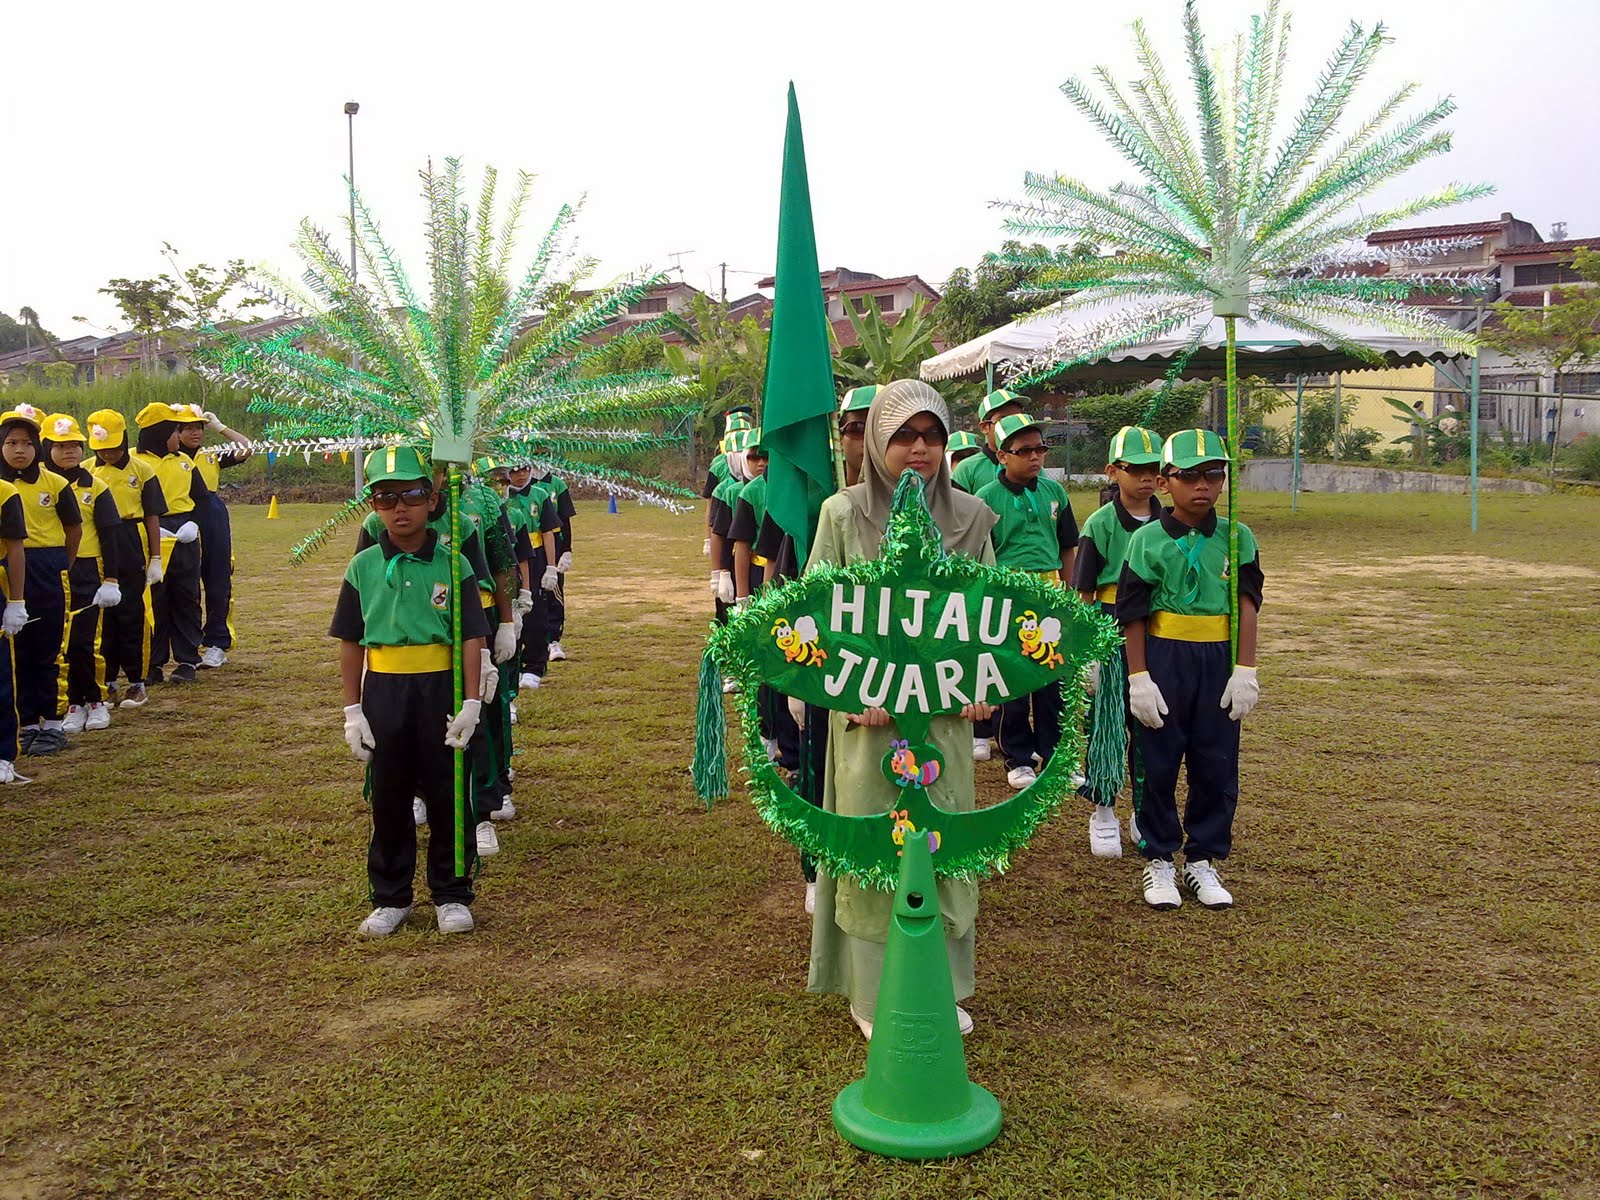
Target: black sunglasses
(1195,474)
(910,435)
(853,429)
(412,497)
(1028,451)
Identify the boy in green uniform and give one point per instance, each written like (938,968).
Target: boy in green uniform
(542,523)
(1038,533)
(561,557)
(980,469)
(1172,604)
(393,619)
(963,445)
(1135,465)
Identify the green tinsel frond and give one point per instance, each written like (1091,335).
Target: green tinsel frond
(315,540)
(710,769)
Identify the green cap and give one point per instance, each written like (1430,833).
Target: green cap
(482,466)
(1191,447)
(397,462)
(858,399)
(1007,428)
(746,439)
(1135,445)
(736,420)
(963,441)
(999,398)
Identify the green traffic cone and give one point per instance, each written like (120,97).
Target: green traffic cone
(916,1100)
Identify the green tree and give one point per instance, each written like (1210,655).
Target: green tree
(883,351)
(172,310)
(983,297)
(1554,340)
(728,359)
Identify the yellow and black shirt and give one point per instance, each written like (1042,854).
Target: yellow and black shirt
(48,505)
(102,531)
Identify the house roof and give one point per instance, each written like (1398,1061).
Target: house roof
(1543,249)
(878,285)
(1418,232)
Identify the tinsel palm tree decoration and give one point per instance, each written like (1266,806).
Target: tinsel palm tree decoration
(1226,220)
(488,364)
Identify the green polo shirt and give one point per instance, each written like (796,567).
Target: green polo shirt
(1103,543)
(471,543)
(391,598)
(715,475)
(977,471)
(749,511)
(1158,575)
(1036,525)
(487,512)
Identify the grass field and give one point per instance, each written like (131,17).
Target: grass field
(1404,1003)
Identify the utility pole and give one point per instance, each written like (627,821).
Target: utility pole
(724,267)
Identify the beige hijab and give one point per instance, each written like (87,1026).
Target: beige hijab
(964,520)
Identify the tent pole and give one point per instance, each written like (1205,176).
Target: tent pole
(1338,411)
(988,377)
(1294,474)
(1473,417)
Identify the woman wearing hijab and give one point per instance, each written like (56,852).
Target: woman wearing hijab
(907,428)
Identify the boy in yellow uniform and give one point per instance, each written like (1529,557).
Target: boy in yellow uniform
(92,577)
(393,625)
(54,528)
(125,634)
(216,531)
(175,600)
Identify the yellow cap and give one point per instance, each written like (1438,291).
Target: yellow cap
(108,429)
(188,414)
(61,427)
(154,414)
(24,412)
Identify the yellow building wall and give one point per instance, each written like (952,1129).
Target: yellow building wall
(1366,388)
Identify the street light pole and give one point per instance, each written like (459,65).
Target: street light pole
(351,108)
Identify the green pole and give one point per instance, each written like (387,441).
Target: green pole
(458,680)
(1294,473)
(1233,494)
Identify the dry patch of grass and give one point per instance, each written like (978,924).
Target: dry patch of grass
(1402,1004)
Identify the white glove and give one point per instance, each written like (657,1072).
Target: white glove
(725,586)
(16,617)
(1145,700)
(705,548)
(550,580)
(358,734)
(213,422)
(743,602)
(716,580)
(1241,694)
(797,710)
(564,563)
(488,675)
(459,731)
(523,603)
(108,595)
(187,532)
(155,572)
(516,623)
(1091,678)
(505,641)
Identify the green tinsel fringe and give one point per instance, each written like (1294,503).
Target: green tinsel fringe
(1108,733)
(710,763)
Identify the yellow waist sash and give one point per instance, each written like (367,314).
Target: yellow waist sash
(1180,627)
(408,660)
(758,561)
(1107,594)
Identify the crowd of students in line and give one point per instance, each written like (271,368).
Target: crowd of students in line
(1161,571)
(118,565)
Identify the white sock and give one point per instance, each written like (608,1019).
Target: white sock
(55,725)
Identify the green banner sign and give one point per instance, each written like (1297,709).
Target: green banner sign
(919,633)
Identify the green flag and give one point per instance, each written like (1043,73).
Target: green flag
(798,402)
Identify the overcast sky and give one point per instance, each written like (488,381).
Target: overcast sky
(217,127)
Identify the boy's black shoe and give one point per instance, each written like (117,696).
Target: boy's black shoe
(155,677)
(25,739)
(184,673)
(47,741)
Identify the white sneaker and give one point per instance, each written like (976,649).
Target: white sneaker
(99,716)
(1021,777)
(419,811)
(136,696)
(1161,885)
(557,654)
(488,840)
(811,894)
(963,1020)
(381,922)
(75,719)
(454,918)
(1200,877)
(980,749)
(8,773)
(513,712)
(528,680)
(1105,832)
(1133,829)
(213,656)
(861,1023)
(505,812)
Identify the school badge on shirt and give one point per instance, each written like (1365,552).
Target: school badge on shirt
(441,595)
(46,499)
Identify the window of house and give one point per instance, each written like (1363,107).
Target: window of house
(885,303)
(1587,384)
(88,373)
(1544,274)
(650,304)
